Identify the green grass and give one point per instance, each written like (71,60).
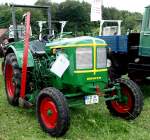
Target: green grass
(87,123)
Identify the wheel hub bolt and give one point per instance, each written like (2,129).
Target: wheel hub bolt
(49,112)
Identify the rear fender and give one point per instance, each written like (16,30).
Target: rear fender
(19,55)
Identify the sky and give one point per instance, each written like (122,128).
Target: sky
(130,5)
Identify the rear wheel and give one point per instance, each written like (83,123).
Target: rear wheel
(12,75)
(2,67)
(53,112)
(132,100)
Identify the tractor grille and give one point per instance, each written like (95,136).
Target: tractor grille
(84,58)
(101,58)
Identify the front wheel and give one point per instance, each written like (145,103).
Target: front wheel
(53,112)
(132,100)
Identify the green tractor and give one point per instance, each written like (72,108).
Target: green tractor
(53,76)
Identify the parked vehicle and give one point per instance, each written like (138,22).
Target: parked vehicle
(131,53)
(55,75)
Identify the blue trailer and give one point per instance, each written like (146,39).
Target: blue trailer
(124,53)
(117,43)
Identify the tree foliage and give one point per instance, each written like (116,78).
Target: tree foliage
(76,13)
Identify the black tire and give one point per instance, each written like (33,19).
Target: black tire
(2,67)
(134,105)
(55,126)
(12,83)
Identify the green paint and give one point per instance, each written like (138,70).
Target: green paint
(75,83)
(115,97)
(49,112)
(18,49)
(124,99)
(144,49)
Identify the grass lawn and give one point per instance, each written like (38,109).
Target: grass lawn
(87,123)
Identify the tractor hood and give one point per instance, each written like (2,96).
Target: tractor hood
(87,62)
(81,41)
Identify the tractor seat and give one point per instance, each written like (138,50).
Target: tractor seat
(37,47)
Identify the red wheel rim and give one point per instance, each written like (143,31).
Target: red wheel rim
(48,112)
(123,107)
(9,80)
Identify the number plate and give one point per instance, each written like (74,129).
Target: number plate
(92,99)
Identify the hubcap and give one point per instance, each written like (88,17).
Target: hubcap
(127,104)
(10,85)
(48,112)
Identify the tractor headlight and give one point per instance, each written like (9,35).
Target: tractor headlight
(84,58)
(101,57)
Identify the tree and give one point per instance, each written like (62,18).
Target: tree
(75,12)
(5,15)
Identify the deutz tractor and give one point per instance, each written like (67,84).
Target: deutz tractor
(54,75)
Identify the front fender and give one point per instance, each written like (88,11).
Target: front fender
(19,55)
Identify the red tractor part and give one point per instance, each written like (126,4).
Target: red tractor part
(25,55)
(9,78)
(49,112)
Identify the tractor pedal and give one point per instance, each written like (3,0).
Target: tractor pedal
(24,103)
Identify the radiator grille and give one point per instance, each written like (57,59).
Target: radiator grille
(84,58)
(101,58)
